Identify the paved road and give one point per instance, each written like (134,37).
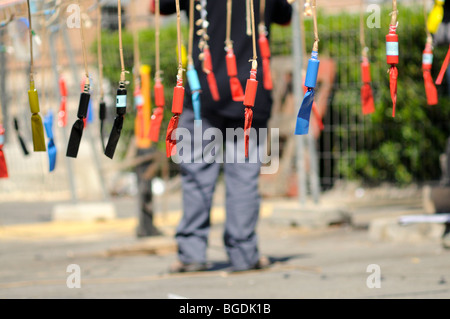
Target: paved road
(309,263)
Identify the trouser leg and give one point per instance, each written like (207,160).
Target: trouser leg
(198,182)
(242,204)
(145,225)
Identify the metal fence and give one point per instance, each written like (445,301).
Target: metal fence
(345,134)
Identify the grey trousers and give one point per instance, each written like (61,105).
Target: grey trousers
(242,202)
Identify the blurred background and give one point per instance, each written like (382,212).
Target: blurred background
(352,153)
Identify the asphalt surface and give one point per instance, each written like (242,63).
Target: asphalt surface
(338,261)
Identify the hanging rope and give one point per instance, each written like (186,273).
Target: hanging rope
(205,56)
(158,112)
(362,37)
(48,117)
(102,104)
(252,14)
(304,113)
(264,48)
(248,18)
(316,32)
(136,51)
(179,42)
(100,51)
(37,127)
(192,75)
(86,72)
(191,32)
(228,42)
(367,102)
(427,63)
(31,42)
(237,93)
(77,128)
(121,96)
(301,14)
(157,34)
(392,55)
(178,94)
(141,123)
(122,63)
(433,24)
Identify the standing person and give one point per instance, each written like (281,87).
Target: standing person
(241,179)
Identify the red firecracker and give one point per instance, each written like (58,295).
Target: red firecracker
(177,109)
(237,93)
(427,62)
(264,48)
(62,113)
(158,111)
(367,102)
(208,69)
(392,59)
(249,102)
(3,168)
(443,68)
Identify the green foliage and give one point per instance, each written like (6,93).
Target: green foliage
(398,149)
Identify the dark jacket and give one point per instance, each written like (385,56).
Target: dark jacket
(277,11)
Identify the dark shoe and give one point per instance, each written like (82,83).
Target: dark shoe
(179,267)
(148,232)
(262,263)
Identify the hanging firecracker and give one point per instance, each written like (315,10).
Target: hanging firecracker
(20,137)
(3,167)
(158,111)
(427,63)
(178,95)
(62,113)
(264,48)
(368,104)
(158,88)
(77,129)
(51,146)
(121,96)
(237,93)
(392,55)
(37,127)
(205,55)
(102,104)
(251,86)
(304,113)
(367,101)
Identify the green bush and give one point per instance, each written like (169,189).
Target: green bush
(398,149)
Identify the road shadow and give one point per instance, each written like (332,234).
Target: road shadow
(225,265)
